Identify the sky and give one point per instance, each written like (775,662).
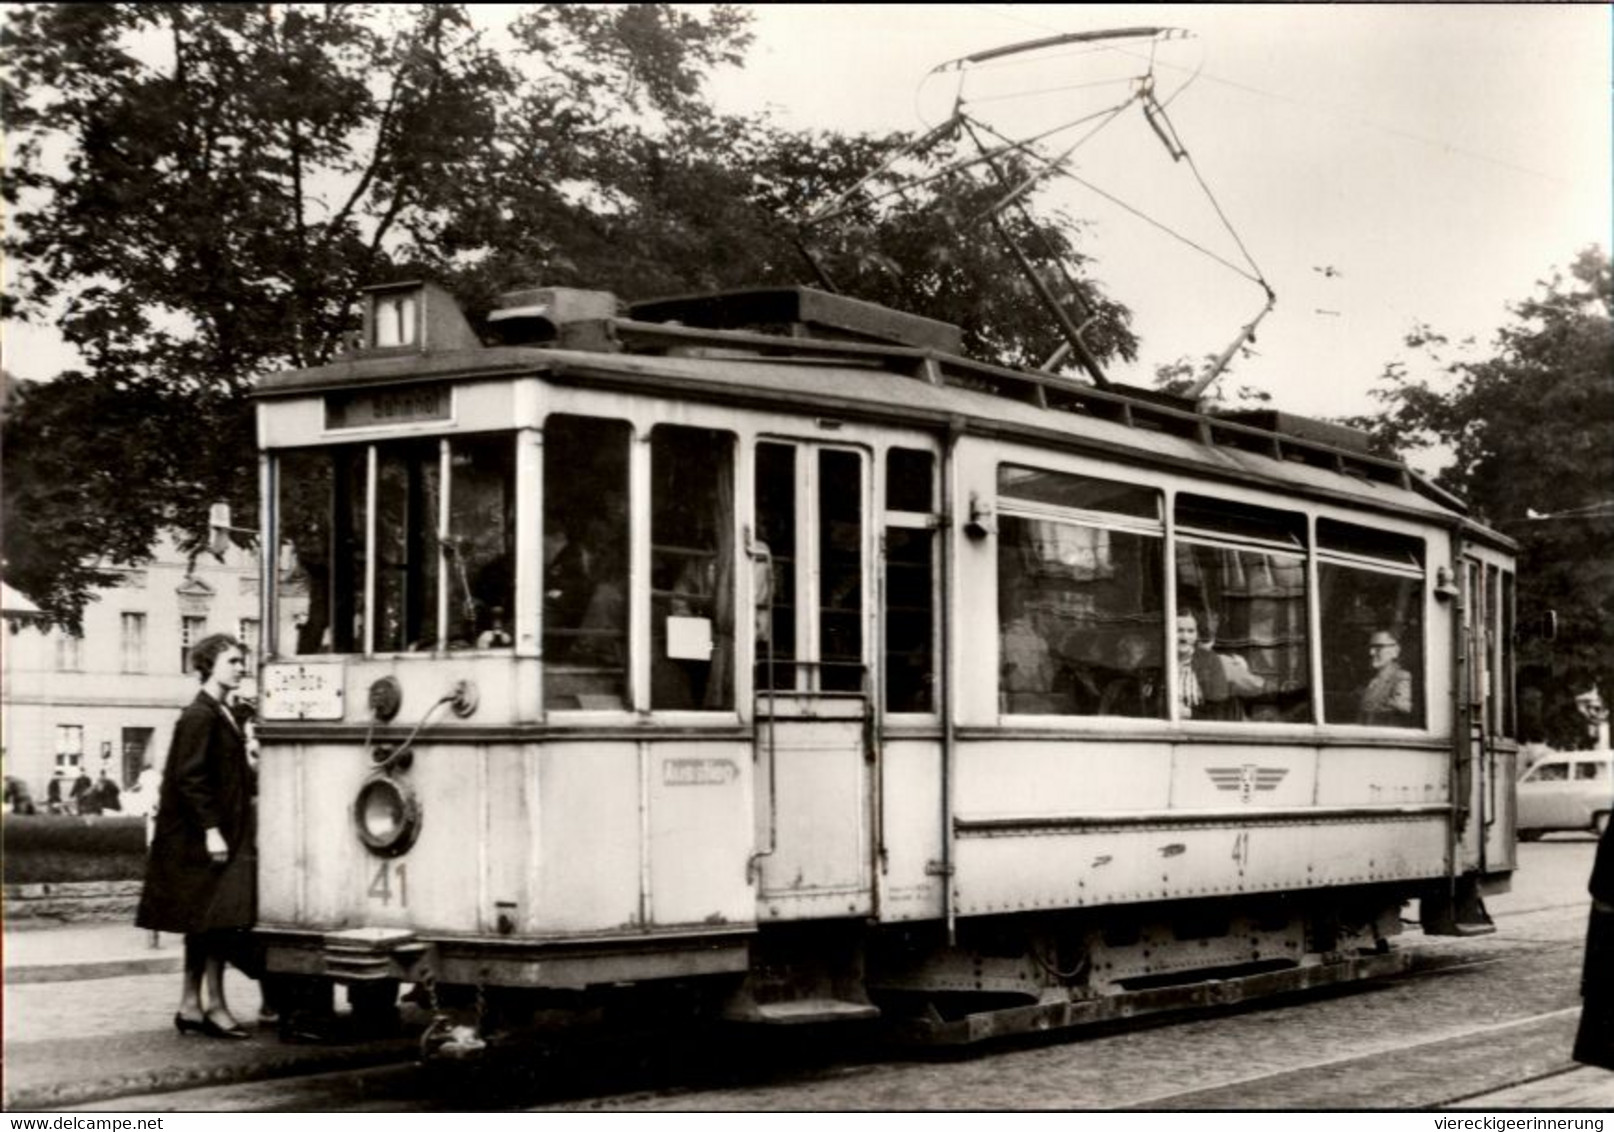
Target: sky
(1382,165)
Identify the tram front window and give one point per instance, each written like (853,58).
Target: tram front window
(585,563)
(1241,638)
(1081,602)
(320,580)
(408,501)
(481,548)
(324,529)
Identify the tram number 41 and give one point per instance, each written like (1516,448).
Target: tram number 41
(390,884)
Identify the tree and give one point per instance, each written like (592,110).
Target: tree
(200,190)
(1530,432)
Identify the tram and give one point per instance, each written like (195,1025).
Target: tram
(763,650)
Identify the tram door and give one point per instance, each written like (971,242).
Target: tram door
(1487,773)
(813,707)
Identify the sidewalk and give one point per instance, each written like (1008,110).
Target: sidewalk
(43,952)
(89,1013)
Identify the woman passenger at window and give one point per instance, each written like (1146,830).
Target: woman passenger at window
(1386,699)
(202,864)
(1209,684)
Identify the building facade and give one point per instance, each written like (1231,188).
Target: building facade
(109,698)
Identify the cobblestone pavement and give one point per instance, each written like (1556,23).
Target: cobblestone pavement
(1402,1043)
(75,1039)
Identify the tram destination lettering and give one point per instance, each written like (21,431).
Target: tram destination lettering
(302,691)
(698,772)
(371,408)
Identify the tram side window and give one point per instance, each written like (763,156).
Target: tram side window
(481,548)
(1371,599)
(910,555)
(585,631)
(1081,603)
(1241,638)
(691,569)
(320,573)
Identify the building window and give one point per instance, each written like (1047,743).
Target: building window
(250,638)
(69,651)
(69,745)
(134,642)
(191,630)
(136,749)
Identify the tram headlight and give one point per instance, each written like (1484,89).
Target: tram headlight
(386,814)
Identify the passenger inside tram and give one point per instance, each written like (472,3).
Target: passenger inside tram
(1139,689)
(1386,699)
(1210,685)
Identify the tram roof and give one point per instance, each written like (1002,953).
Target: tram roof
(928,389)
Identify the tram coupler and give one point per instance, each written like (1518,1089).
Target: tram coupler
(453,1035)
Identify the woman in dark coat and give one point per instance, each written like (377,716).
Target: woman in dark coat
(202,864)
(1594,1043)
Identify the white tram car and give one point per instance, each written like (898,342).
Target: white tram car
(763,646)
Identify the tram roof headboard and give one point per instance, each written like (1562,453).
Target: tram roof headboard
(803,310)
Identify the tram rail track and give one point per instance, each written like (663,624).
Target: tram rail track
(805,1073)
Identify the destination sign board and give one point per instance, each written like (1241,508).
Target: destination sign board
(302,691)
(375,407)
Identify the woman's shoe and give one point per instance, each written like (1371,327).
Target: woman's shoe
(190,1025)
(212,1029)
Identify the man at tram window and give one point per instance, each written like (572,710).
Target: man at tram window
(1210,685)
(1386,699)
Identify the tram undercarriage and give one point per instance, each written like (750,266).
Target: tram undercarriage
(1001,975)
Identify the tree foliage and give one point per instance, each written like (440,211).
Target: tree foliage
(1530,434)
(199,191)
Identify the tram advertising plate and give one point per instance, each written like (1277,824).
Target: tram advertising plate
(302,691)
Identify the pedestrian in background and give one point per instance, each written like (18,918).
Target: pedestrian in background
(1594,1042)
(82,785)
(201,866)
(108,798)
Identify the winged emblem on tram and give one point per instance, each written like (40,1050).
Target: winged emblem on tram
(1247,779)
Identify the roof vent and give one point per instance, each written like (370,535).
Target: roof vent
(804,312)
(538,314)
(1338,436)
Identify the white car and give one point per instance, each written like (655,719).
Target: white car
(1567,790)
